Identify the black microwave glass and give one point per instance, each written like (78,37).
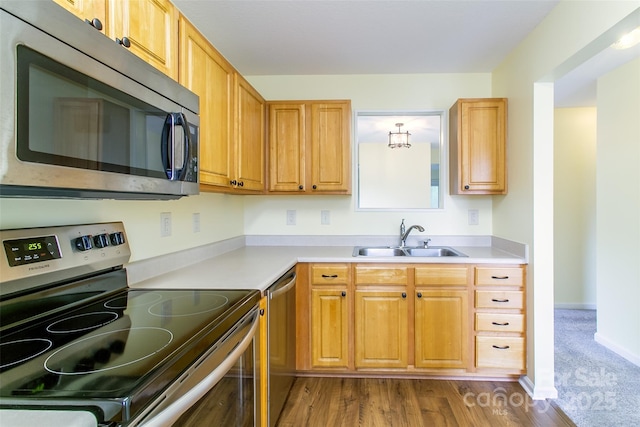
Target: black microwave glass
(67,118)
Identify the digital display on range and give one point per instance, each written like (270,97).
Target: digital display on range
(31,250)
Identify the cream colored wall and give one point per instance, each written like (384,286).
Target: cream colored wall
(618,211)
(571,33)
(267,214)
(575,207)
(221,217)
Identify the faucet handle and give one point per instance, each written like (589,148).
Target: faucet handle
(426,243)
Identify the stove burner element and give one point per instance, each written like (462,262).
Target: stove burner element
(16,352)
(188,305)
(82,322)
(123,302)
(142,343)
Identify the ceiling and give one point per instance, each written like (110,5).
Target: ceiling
(298,37)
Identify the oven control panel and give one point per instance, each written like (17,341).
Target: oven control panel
(58,252)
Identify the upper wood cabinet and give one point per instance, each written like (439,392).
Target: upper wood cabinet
(249,156)
(208,74)
(149,26)
(232,117)
(477,146)
(309,147)
(152,29)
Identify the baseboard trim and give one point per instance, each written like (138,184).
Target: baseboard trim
(575,306)
(537,393)
(621,351)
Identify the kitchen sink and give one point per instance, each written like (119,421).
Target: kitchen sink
(408,251)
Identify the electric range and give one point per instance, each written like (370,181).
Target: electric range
(73,335)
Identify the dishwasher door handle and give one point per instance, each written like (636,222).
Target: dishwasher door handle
(283,288)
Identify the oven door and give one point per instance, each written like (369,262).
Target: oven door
(220,389)
(77,125)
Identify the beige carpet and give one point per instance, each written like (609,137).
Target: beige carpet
(596,387)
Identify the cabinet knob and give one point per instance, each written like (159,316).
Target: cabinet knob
(419,294)
(240,183)
(95,23)
(404,295)
(466,187)
(315,187)
(233,182)
(344,293)
(300,187)
(124,42)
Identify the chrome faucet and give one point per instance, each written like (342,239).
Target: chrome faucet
(405,234)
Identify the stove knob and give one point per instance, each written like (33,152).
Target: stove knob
(117,238)
(83,243)
(101,240)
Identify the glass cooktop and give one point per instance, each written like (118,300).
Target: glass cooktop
(121,348)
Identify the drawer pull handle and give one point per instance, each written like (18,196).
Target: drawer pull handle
(499,300)
(500,324)
(329,276)
(500,277)
(506,347)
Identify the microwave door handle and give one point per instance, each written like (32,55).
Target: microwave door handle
(169,145)
(167,148)
(182,121)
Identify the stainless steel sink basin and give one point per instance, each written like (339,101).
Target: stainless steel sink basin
(378,251)
(409,251)
(434,251)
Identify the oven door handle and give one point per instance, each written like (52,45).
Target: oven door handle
(171,413)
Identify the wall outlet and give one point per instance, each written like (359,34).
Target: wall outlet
(474,217)
(195,221)
(325,217)
(165,224)
(291,217)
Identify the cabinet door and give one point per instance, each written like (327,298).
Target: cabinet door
(330,147)
(152,29)
(250,122)
(287,134)
(329,328)
(478,144)
(441,328)
(87,9)
(381,328)
(206,73)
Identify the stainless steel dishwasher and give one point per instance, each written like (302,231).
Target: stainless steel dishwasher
(281,343)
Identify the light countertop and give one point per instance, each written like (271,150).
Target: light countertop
(257,267)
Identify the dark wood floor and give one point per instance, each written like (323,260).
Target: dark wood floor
(349,402)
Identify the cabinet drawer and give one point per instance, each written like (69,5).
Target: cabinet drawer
(330,274)
(500,352)
(381,275)
(499,299)
(499,322)
(509,276)
(448,276)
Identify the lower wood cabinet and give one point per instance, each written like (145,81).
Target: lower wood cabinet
(330,299)
(381,324)
(451,319)
(441,328)
(329,328)
(499,327)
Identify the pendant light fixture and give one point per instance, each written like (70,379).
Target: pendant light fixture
(399,139)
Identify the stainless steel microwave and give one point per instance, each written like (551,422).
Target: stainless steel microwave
(82,117)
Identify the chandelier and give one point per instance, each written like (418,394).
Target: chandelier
(399,139)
